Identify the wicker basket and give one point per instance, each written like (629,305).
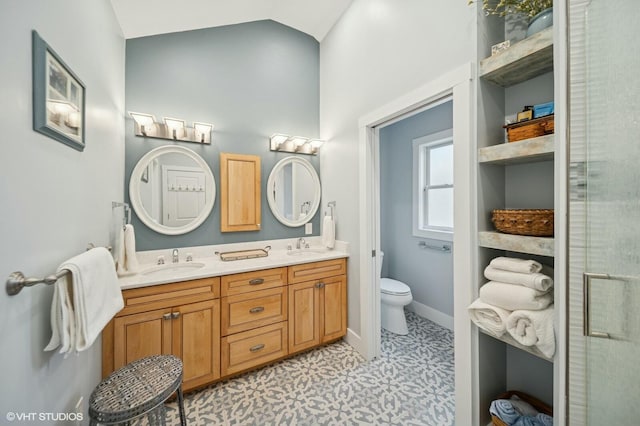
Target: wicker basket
(536,403)
(535,223)
(530,129)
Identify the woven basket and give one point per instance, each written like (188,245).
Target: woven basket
(536,403)
(535,222)
(530,129)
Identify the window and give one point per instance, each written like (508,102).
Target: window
(433,186)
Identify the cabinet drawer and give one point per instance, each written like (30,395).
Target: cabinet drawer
(168,295)
(252,281)
(251,348)
(317,270)
(251,310)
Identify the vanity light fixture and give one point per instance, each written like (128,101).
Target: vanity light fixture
(145,122)
(174,129)
(295,144)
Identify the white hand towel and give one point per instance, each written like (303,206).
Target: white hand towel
(96,299)
(489,318)
(130,258)
(62,320)
(512,297)
(516,265)
(328,232)
(533,328)
(537,280)
(121,267)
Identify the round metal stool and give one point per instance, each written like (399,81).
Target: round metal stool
(137,389)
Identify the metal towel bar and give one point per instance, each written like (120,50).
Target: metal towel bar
(17,280)
(445,248)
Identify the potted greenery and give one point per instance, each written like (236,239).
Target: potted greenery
(539,12)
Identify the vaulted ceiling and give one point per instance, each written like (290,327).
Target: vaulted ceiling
(139,18)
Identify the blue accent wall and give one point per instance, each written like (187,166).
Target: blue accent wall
(249,80)
(429,273)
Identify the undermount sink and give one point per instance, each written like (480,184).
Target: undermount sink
(171,268)
(307,251)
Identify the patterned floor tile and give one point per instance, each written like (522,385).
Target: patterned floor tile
(411,383)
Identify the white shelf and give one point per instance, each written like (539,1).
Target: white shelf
(523,61)
(506,338)
(542,246)
(526,151)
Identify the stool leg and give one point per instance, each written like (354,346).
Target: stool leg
(183,419)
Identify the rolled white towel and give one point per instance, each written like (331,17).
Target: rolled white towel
(512,297)
(516,265)
(538,281)
(489,318)
(533,328)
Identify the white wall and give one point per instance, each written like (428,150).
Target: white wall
(378,51)
(55,200)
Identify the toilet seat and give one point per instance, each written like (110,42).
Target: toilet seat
(394,287)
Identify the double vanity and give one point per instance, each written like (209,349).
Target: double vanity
(226,317)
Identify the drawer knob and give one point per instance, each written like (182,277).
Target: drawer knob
(320,284)
(256,309)
(256,281)
(166,317)
(256,348)
(175,315)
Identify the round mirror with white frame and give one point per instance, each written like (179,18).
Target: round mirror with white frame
(172,190)
(293,191)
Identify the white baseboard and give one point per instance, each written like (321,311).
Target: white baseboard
(431,314)
(355,341)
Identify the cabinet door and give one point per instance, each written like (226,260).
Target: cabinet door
(196,340)
(139,335)
(333,300)
(304,316)
(239,192)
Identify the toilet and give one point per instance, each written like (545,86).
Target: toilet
(394,296)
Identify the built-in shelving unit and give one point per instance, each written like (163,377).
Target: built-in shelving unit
(526,151)
(523,61)
(542,246)
(512,175)
(506,338)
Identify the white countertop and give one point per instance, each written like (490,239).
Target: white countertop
(206,264)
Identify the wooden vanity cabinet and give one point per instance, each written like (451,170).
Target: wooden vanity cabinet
(317,303)
(254,319)
(226,325)
(182,319)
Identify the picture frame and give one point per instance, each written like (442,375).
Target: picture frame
(58,97)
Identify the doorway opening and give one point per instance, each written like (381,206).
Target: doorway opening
(455,87)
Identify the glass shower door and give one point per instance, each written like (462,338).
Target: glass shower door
(611,280)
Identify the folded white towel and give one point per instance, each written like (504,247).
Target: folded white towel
(536,280)
(96,299)
(512,297)
(328,232)
(130,258)
(516,265)
(533,328)
(62,319)
(488,317)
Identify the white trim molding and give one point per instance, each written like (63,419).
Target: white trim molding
(431,314)
(458,84)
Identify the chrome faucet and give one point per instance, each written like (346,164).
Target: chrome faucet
(300,243)
(174,256)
